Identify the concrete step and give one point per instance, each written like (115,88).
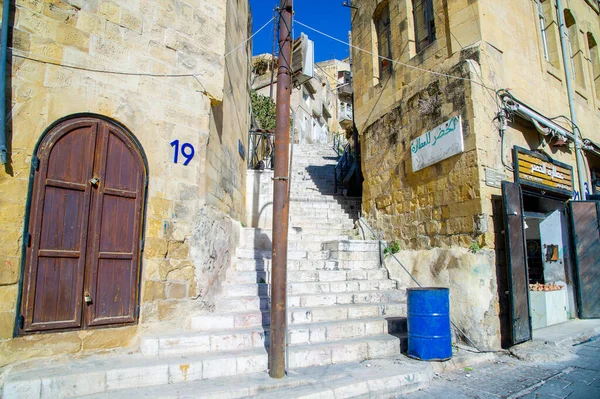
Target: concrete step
(390,377)
(195,342)
(110,374)
(263,289)
(331,331)
(256,318)
(306,276)
(263,264)
(313,300)
(352,245)
(344,351)
(221,341)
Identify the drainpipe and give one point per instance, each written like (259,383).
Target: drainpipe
(567,65)
(3,60)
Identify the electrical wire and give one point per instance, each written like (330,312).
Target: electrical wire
(391,60)
(40,58)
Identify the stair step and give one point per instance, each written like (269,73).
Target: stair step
(109,374)
(256,318)
(310,300)
(185,343)
(306,264)
(320,287)
(348,350)
(306,276)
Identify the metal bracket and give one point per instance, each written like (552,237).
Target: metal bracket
(279,178)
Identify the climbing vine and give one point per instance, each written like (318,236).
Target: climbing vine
(264,110)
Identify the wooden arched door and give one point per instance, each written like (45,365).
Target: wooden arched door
(82,263)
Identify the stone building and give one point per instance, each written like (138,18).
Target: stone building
(337,73)
(125,180)
(486,79)
(313,103)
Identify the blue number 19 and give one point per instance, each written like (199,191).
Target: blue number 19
(187,150)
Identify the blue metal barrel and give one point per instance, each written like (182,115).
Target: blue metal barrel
(429,335)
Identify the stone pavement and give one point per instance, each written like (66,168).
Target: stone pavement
(553,374)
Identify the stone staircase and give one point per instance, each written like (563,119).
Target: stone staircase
(342,307)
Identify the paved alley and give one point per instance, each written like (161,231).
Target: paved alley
(508,377)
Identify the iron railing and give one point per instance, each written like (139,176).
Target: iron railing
(261,149)
(343,167)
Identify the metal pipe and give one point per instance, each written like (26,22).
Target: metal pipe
(528,113)
(280,196)
(3,61)
(567,65)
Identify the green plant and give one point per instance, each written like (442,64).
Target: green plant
(263,108)
(392,248)
(474,247)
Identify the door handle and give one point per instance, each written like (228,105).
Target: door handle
(88,299)
(94,181)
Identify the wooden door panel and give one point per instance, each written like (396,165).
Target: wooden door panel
(123,170)
(117,226)
(586,237)
(116,217)
(517,262)
(113,295)
(53,283)
(62,219)
(56,303)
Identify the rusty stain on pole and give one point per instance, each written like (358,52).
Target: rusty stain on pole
(280,196)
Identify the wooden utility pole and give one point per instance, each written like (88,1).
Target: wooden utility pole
(280,196)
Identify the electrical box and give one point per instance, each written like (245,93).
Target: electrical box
(303,60)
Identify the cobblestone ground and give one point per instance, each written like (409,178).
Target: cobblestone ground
(507,377)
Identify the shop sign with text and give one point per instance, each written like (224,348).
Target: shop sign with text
(540,171)
(437,144)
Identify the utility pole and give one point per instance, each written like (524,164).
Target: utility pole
(281,206)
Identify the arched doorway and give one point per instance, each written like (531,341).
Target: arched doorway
(83,244)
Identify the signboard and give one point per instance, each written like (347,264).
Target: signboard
(493,178)
(437,144)
(542,172)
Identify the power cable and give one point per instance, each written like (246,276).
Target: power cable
(392,60)
(38,58)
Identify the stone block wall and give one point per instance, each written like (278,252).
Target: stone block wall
(438,205)
(133,61)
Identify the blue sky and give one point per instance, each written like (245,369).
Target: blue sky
(328,16)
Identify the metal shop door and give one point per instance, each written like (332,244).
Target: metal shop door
(585,222)
(83,241)
(516,254)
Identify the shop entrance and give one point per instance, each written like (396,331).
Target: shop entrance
(552,247)
(549,266)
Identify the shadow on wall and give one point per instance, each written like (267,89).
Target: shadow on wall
(8,168)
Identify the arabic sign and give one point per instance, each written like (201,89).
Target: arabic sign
(437,144)
(539,171)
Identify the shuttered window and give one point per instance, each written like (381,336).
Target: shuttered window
(424,19)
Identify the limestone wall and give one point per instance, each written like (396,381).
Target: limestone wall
(471,279)
(187,242)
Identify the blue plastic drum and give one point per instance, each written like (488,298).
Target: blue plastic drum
(429,336)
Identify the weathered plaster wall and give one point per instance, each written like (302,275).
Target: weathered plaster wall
(149,38)
(471,280)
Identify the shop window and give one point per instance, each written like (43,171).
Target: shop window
(574,48)
(424,20)
(548,29)
(595,61)
(381,20)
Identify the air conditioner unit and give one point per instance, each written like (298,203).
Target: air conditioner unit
(303,60)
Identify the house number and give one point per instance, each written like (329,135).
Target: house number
(187,151)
